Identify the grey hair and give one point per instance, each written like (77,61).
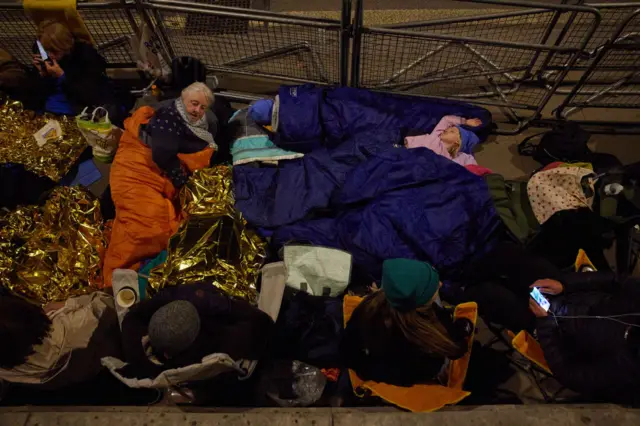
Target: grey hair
(199,87)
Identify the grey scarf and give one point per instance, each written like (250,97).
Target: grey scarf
(200,128)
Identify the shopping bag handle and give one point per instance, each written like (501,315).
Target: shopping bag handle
(106,113)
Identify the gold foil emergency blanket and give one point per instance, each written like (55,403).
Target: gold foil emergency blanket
(17,144)
(214,244)
(53,252)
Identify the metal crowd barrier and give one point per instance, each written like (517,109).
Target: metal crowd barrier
(612,79)
(516,60)
(226,35)
(500,60)
(259,43)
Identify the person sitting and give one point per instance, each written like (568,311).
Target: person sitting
(59,345)
(591,334)
(499,283)
(450,139)
(183,324)
(183,125)
(400,335)
(74,75)
(157,152)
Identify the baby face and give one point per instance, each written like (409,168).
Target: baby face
(451,136)
(196,105)
(451,139)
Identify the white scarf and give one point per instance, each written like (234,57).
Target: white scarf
(200,128)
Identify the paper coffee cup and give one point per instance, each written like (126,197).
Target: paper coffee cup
(126,297)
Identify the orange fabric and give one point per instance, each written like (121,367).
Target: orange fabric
(145,213)
(332,374)
(423,397)
(529,347)
(197,160)
(583,260)
(458,368)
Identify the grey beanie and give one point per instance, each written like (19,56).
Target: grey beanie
(174,327)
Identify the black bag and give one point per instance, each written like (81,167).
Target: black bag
(566,142)
(187,70)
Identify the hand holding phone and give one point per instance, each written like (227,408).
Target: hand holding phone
(540,299)
(43,53)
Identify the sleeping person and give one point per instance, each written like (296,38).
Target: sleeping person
(450,139)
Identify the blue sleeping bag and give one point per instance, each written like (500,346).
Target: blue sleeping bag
(310,117)
(358,191)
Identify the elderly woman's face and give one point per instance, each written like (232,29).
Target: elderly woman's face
(196,105)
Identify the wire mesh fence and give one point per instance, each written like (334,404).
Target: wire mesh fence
(485,72)
(516,57)
(18,32)
(613,78)
(501,59)
(612,14)
(109,23)
(528,26)
(296,49)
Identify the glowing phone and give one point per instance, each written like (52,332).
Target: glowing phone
(540,299)
(43,53)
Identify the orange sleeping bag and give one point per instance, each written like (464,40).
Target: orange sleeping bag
(146,216)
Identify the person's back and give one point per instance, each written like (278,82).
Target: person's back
(378,350)
(59,347)
(183,324)
(398,335)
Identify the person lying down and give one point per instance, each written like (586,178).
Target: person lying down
(450,139)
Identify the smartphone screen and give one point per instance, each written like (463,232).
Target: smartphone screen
(43,53)
(540,299)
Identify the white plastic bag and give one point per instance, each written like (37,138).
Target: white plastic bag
(147,50)
(99,133)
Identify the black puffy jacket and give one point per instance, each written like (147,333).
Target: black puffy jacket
(596,357)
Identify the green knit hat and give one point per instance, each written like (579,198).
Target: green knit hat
(409,283)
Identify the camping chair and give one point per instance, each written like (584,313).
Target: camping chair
(534,364)
(423,397)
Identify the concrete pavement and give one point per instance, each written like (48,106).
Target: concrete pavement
(593,415)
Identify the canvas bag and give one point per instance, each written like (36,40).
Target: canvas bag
(319,271)
(99,133)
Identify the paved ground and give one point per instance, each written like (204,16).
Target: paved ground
(478,416)
(499,154)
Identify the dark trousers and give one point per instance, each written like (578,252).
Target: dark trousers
(500,281)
